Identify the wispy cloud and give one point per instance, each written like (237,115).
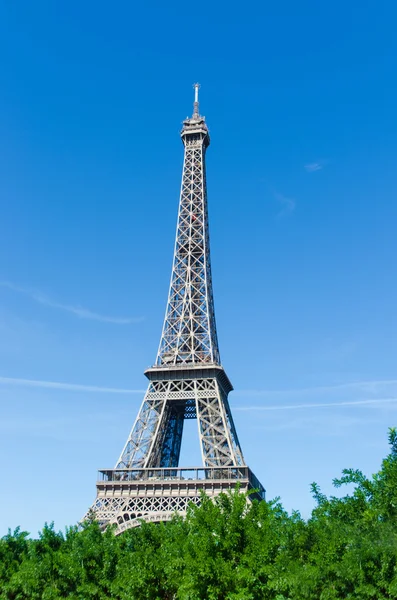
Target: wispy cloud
(70,427)
(319,424)
(71,387)
(78,311)
(378,401)
(288,205)
(369,386)
(379,393)
(315,166)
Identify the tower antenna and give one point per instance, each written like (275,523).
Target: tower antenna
(196,101)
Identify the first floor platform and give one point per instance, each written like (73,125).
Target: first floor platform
(125,497)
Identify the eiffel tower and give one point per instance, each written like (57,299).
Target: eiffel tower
(187,381)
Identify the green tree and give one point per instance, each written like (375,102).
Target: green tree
(229,549)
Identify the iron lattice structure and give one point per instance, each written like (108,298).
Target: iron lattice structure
(186,382)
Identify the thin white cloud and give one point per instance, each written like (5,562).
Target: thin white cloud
(78,311)
(374,386)
(315,166)
(288,204)
(312,167)
(378,401)
(71,387)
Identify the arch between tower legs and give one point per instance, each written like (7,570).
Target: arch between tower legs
(147,482)
(174,395)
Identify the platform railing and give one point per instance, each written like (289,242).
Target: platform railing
(203,474)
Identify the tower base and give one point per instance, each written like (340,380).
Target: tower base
(125,497)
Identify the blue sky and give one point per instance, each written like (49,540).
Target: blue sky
(300,99)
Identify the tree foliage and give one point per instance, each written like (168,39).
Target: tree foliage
(227,550)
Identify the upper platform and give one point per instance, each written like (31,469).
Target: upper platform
(196,125)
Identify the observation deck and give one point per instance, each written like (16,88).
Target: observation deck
(178,372)
(156,494)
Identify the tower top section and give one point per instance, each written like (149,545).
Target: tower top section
(189,334)
(195,125)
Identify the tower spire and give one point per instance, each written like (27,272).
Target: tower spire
(196,113)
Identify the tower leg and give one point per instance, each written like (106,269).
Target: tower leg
(147,483)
